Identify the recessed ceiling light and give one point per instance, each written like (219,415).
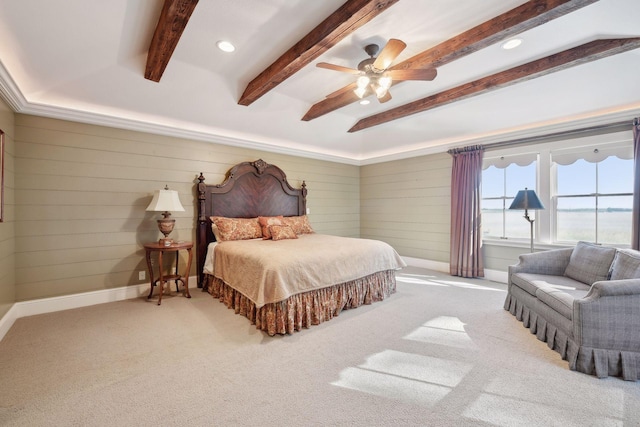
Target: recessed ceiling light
(511,44)
(364,102)
(225,46)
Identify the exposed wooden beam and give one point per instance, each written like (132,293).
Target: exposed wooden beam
(349,17)
(517,20)
(588,52)
(173,19)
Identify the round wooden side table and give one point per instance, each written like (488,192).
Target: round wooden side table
(177,277)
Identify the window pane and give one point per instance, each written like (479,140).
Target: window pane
(577,178)
(517,226)
(519,177)
(615,175)
(492,182)
(576,219)
(614,220)
(497,219)
(492,218)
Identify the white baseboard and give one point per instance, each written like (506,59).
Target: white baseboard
(67,302)
(6,322)
(85,299)
(443,267)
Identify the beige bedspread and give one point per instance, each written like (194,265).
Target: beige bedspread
(268,271)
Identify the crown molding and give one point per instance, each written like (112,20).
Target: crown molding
(172,131)
(11,94)
(536,130)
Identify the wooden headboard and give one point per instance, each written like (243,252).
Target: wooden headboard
(249,190)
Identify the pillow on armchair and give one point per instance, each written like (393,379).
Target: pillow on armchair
(590,263)
(626,265)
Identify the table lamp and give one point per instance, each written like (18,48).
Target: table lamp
(527,199)
(165,201)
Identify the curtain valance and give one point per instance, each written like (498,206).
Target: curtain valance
(502,162)
(593,154)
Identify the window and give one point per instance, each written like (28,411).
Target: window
(502,178)
(585,184)
(594,201)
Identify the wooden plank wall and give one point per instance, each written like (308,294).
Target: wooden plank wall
(406,203)
(82,191)
(7,227)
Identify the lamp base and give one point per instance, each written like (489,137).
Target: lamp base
(165,225)
(165,242)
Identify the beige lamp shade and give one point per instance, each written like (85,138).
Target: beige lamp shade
(165,201)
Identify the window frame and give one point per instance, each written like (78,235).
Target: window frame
(545,227)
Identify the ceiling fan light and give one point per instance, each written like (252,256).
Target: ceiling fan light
(385,82)
(380,91)
(360,91)
(362,82)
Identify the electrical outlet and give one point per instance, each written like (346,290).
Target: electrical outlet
(141,275)
(308,211)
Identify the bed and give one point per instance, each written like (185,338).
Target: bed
(294,279)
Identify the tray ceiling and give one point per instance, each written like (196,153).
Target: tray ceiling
(88,64)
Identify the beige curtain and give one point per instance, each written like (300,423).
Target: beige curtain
(466,258)
(635,228)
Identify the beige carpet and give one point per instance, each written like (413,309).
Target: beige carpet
(439,352)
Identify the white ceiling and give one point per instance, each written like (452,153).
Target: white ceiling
(84,60)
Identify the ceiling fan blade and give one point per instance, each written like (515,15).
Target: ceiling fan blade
(347,88)
(390,52)
(337,68)
(412,74)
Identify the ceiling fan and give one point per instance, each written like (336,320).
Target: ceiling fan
(374,75)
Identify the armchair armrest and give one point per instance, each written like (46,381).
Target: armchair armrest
(605,288)
(552,262)
(608,317)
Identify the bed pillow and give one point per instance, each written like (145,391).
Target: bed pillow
(237,228)
(266,221)
(626,265)
(282,232)
(300,224)
(590,263)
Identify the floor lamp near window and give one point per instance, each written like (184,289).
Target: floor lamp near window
(527,199)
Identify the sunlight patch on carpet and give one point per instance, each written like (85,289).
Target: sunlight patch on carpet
(443,330)
(419,279)
(403,376)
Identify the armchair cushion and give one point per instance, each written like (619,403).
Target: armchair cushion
(590,263)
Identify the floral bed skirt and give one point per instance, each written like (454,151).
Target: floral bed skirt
(308,308)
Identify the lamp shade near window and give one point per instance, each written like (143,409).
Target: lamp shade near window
(527,199)
(165,201)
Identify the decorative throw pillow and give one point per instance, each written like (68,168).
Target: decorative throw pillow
(237,228)
(281,232)
(300,224)
(590,263)
(216,232)
(626,265)
(266,221)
